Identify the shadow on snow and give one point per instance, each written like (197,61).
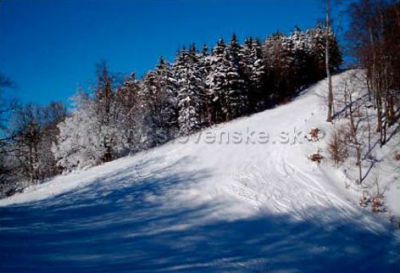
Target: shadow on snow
(121,224)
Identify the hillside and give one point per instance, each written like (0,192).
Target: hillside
(228,199)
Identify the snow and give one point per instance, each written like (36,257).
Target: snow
(393,198)
(238,197)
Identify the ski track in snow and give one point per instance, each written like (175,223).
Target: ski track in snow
(201,208)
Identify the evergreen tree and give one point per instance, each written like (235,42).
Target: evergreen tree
(317,42)
(299,71)
(279,61)
(191,90)
(204,69)
(150,109)
(159,105)
(169,103)
(216,82)
(236,92)
(254,72)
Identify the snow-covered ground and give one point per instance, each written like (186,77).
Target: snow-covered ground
(239,197)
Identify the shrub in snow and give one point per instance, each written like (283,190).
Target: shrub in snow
(337,146)
(314,135)
(317,157)
(365,199)
(377,204)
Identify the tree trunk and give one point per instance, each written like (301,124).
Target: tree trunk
(327,59)
(358,151)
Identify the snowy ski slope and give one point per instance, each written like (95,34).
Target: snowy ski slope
(255,204)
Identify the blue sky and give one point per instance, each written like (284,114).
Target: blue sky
(49,48)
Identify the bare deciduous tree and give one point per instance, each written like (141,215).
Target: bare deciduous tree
(374,35)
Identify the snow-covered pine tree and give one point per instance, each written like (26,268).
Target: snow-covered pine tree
(303,71)
(317,50)
(159,105)
(316,38)
(226,86)
(236,90)
(252,62)
(150,110)
(215,83)
(190,91)
(336,58)
(258,66)
(204,69)
(280,57)
(169,102)
(205,52)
